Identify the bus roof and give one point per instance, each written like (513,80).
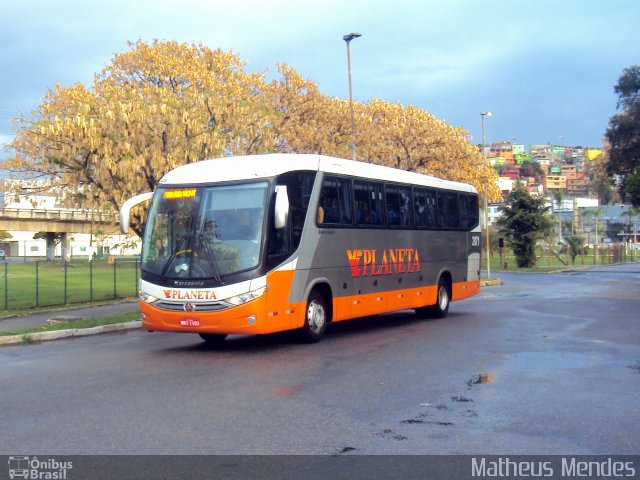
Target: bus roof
(226,169)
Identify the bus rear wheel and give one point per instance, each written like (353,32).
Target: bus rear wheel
(213,338)
(443,300)
(315,319)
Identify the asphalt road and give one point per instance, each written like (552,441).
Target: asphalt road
(545,364)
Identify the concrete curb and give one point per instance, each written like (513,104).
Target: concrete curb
(65,308)
(72,332)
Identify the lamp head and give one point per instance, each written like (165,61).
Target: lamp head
(347,38)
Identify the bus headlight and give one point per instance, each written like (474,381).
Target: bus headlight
(145,297)
(247,297)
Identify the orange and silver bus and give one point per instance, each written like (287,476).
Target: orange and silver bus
(265,243)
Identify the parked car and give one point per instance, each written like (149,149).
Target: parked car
(2,255)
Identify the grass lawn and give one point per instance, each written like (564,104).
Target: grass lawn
(41,283)
(546,262)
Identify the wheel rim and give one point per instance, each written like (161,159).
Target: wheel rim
(443,297)
(315,316)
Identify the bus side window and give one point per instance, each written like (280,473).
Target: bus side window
(420,207)
(464,214)
(471,212)
(344,200)
(442,210)
(432,208)
(453,211)
(475,209)
(377,214)
(334,206)
(328,211)
(393,205)
(369,203)
(361,196)
(404,202)
(399,211)
(425,208)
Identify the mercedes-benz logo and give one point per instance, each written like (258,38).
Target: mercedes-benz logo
(189,307)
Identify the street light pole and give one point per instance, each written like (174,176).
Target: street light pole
(486,202)
(347,39)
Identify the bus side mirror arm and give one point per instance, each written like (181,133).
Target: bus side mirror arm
(126,208)
(282,207)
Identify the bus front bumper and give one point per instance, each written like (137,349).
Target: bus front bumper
(248,318)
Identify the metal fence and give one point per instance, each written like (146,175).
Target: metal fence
(558,258)
(39,283)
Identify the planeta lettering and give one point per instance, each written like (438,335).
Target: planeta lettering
(174,294)
(365,263)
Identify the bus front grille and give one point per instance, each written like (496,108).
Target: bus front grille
(191,307)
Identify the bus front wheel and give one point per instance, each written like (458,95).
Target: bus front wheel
(315,319)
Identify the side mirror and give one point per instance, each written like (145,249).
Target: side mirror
(126,208)
(282,207)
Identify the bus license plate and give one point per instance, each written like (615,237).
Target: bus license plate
(189,322)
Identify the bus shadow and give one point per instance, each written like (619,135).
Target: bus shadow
(386,321)
(335,332)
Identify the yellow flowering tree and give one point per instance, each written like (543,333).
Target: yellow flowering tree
(155,107)
(389,134)
(159,105)
(305,121)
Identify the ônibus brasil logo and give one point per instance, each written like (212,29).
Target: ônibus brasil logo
(36,469)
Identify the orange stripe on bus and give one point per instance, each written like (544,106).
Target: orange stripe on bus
(345,308)
(465,289)
(274,313)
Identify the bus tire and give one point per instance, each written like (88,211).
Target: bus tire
(315,318)
(443,299)
(213,338)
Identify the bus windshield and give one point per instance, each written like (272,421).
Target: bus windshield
(204,233)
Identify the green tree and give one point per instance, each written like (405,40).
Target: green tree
(632,213)
(52,239)
(601,187)
(531,169)
(557,196)
(595,213)
(624,135)
(575,247)
(524,221)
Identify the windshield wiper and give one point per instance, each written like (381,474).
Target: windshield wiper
(211,259)
(173,255)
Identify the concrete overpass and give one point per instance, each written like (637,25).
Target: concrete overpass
(57,221)
(65,222)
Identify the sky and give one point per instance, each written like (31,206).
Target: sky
(545,68)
